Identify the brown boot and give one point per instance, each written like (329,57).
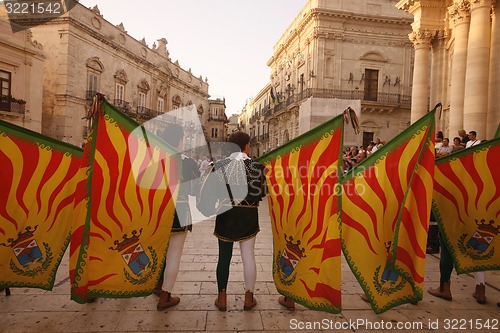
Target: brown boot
(480,293)
(287,302)
(443,291)
(166,301)
(250,301)
(221,301)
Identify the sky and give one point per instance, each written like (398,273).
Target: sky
(227,41)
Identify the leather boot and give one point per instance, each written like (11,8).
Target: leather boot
(166,301)
(480,293)
(443,291)
(250,301)
(221,301)
(286,302)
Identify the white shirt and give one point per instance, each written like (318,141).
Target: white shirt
(471,143)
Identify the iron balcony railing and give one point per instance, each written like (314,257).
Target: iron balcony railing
(9,104)
(387,98)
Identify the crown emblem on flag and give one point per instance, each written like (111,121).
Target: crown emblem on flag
(127,241)
(294,248)
(488,226)
(21,237)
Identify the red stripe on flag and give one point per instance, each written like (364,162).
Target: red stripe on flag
(347,220)
(31,156)
(7,177)
(406,258)
(324,291)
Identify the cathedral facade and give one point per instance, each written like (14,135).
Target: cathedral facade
(336,54)
(461,40)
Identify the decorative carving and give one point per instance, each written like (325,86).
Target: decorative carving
(143,41)
(162,48)
(460,11)
(121,38)
(95,64)
(29,39)
(479,3)
(143,85)
(121,76)
(96,11)
(422,37)
(121,27)
(96,23)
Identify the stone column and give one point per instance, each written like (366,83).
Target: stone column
(460,14)
(477,75)
(421,40)
(493,118)
(438,75)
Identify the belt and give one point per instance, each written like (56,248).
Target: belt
(242,203)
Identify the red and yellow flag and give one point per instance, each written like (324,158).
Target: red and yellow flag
(38,178)
(466,204)
(301,177)
(124,212)
(386,202)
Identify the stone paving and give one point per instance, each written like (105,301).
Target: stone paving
(33,310)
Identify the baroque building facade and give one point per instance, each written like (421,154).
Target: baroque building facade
(21,76)
(336,54)
(85,55)
(461,39)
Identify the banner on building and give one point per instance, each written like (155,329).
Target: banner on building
(124,211)
(302,176)
(466,204)
(386,202)
(38,178)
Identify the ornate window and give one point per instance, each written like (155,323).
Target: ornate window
(5,83)
(143,88)
(176,102)
(120,84)
(371,84)
(160,105)
(94,70)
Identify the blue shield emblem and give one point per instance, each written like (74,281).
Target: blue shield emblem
(28,253)
(137,260)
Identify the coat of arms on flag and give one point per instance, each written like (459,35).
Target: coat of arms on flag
(466,203)
(133,254)
(290,257)
(480,241)
(27,252)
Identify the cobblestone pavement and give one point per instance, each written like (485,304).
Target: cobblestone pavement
(33,310)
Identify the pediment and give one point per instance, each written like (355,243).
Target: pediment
(373,56)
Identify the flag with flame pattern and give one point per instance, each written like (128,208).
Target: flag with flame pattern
(302,176)
(38,178)
(386,203)
(124,212)
(466,203)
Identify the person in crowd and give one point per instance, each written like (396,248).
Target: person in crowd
(237,214)
(445,148)
(473,140)
(439,140)
(182,220)
(457,144)
(463,137)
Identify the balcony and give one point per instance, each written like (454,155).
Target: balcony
(381,98)
(10,104)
